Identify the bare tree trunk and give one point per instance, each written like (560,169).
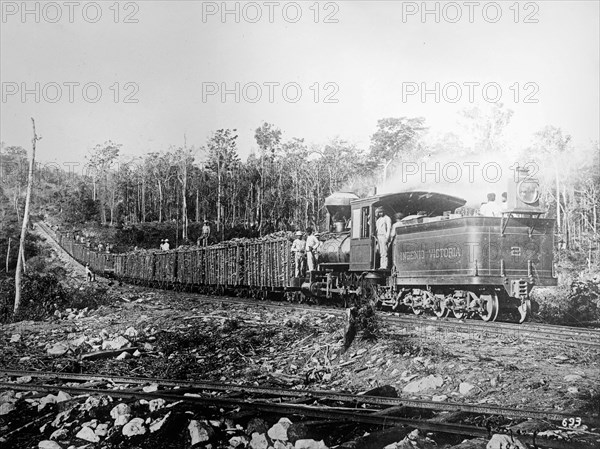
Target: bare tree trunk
(20,260)
(143,199)
(197,205)
(558,222)
(160,202)
(184,203)
(8,254)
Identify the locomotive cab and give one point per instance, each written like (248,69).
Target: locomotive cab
(416,206)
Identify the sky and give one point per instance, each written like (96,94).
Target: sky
(145,74)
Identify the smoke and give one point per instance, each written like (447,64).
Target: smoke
(470,177)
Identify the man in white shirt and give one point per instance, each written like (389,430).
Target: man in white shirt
(312,244)
(383,225)
(299,249)
(491,208)
(166,245)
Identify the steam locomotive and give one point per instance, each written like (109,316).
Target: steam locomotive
(443,261)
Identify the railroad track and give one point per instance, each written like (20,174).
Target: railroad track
(327,405)
(553,334)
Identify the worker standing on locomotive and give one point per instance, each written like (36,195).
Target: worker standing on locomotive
(491,208)
(383,225)
(299,250)
(312,244)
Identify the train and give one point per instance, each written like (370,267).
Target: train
(443,260)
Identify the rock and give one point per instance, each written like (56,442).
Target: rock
(200,432)
(440,398)
(281,445)
(87,434)
(59,434)
(430,382)
(150,388)
(134,427)
(24,379)
(309,444)
(121,413)
(240,441)
(131,332)
(256,425)
(572,377)
(24,359)
(58,349)
(137,353)
(573,390)
(49,399)
(6,408)
(93,402)
(466,388)
(101,430)
(500,441)
(156,404)
(118,343)
(279,430)
(62,396)
(47,444)
(259,441)
(123,356)
(15,338)
(158,423)
(91,424)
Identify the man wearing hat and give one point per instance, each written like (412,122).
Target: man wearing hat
(383,225)
(205,233)
(166,246)
(299,250)
(162,244)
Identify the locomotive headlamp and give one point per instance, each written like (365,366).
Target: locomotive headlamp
(528,191)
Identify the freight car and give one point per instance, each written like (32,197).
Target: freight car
(442,261)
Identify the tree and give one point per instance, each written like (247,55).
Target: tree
(20,261)
(551,143)
(396,138)
(101,159)
(222,157)
(268,138)
(183,159)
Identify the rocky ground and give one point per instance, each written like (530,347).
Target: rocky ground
(144,332)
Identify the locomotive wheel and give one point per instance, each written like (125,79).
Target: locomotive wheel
(459,315)
(490,307)
(524,310)
(440,309)
(417,310)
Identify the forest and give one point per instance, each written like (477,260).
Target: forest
(283,184)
